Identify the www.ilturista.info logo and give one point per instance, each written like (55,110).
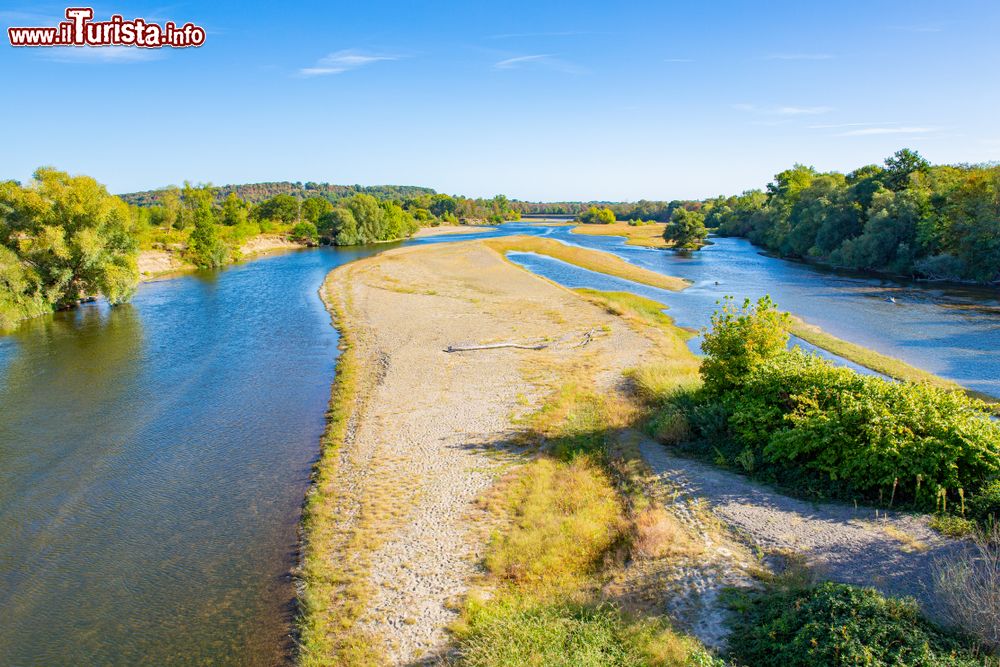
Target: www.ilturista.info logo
(80,30)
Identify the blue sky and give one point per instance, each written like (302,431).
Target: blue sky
(536,100)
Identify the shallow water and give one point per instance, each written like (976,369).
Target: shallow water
(154,457)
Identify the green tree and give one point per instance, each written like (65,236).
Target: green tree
(234,211)
(71,238)
(315,208)
(741,339)
(305,232)
(206,248)
(597,216)
(339,227)
(280,208)
(686,229)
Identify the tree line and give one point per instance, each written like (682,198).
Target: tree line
(905,217)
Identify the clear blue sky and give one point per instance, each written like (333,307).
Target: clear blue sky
(536,100)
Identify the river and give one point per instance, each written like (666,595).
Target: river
(154,456)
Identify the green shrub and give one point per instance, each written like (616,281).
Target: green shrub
(827,431)
(835,624)
(739,340)
(305,232)
(984,506)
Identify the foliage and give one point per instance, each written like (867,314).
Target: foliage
(907,217)
(835,624)
(304,232)
(740,339)
(206,249)
(686,229)
(984,506)
(598,216)
(63,238)
(280,208)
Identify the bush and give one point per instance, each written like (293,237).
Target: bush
(835,624)
(304,232)
(827,431)
(739,340)
(984,506)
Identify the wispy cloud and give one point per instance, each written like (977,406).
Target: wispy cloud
(344,61)
(109,55)
(545,60)
(800,56)
(787,110)
(874,131)
(831,126)
(678,60)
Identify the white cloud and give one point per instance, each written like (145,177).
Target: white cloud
(873,131)
(545,60)
(800,56)
(343,61)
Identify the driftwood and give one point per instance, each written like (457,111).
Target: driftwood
(587,337)
(494,346)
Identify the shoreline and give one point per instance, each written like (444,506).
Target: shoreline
(405,516)
(163,264)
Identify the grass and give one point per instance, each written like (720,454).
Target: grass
(592,260)
(333,590)
(572,518)
(649,235)
(894,368)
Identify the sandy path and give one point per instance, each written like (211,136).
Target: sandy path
(434,422)
(894,554)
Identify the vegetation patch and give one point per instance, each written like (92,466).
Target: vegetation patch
(835,624)
(646,235)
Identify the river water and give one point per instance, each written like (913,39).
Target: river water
(154,456)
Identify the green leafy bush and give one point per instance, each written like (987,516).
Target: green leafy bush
(835,624)
(984,506)
(740,339)
(305,232)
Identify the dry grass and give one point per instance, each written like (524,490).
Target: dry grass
(592,260)
(970,588)
(649,236)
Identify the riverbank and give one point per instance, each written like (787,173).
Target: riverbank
(159,263)
(480,502)
(648,235)
(394,535)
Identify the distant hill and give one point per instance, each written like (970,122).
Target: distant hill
(257,192)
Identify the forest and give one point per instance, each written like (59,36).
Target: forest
(904,217)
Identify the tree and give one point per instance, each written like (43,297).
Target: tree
(205,248)
(281,208)
(71,239)
(686,229)
(315,208)
(899,167)
(234,211)
(339,227)
(305,232)
(741,339)
(597,216)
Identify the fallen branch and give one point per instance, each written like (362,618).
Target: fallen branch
(494,346)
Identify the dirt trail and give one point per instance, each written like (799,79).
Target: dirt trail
(437,427)
(894,553)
